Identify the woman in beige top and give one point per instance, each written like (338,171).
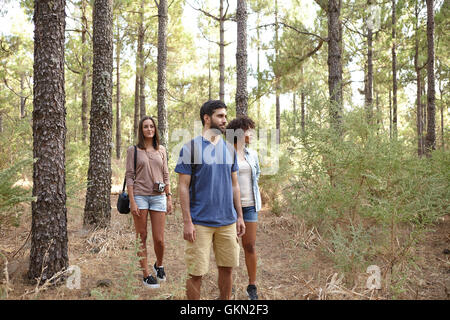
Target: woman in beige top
(149,192)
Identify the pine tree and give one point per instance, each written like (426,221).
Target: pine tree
(97,211)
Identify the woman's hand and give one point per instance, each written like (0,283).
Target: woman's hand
(134,208)
(169,205)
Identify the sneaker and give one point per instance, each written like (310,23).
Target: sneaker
(251,292)
(151,282)
(160,274)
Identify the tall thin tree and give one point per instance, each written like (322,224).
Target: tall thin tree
(277,79)
(430,141)
(241,59)
(335,63)
(97,211)
(48,254)
(118,113)
(84,72)
(394,72)
(162,66)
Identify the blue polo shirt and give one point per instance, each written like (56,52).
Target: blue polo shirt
(213,205)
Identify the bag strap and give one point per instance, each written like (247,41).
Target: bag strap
(135,160)
(193,168)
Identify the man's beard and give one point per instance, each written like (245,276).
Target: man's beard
(215,126)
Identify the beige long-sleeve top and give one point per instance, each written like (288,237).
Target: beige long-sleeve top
(151,167)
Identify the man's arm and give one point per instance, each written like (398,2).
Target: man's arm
(183,189)
(240,225)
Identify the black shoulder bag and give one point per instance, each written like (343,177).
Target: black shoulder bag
(123,202)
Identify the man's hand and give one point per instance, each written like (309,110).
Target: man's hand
(189,232)
(240,226)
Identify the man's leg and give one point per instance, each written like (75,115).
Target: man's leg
(226,251)
(193,287)
(225,282)
(197,255)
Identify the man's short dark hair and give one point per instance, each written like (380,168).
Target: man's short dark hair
(208,108)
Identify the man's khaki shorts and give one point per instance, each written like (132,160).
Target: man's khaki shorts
(225,244)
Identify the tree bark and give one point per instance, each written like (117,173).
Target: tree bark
(390,114)
(118,129)
(141,61)
(430,141)
(84,75)
(258,71)
(277,80)
(394,73)
(302,104)
(22,97)
(335,64)
(162,66)
(418,86)
(369,89)
(241,59)
(222,54)
(97,211)
(48,254)
(136,100)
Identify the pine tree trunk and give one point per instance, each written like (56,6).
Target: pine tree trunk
(222,54)
(390,114)
(369,89)
(394,73)
(136,101)
(22,97)
(142,111)
(48,254)
(418,85)
(302,104)
(277,80)
(294,111)
(258,71)
(241,59)
(162,66)
(84,75)
(430,141)
(335,64)
(118,129)
(97,211)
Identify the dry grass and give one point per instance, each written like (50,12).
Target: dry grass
(292,263)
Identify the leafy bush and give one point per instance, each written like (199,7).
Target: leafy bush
(362,190)
(12,194)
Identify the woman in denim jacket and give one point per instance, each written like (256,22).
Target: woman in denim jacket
(241,130)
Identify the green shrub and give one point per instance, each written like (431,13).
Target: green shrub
(11,195)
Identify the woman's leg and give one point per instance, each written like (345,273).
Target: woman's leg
(140,225)
(158,220)
(248,242)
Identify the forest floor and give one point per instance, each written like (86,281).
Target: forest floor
(292,263)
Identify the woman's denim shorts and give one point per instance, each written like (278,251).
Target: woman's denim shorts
(153,203)
(250,214)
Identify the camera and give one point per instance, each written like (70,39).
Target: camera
(159,187)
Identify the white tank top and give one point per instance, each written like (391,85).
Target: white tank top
(246,184)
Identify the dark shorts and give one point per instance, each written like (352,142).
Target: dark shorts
(250,214)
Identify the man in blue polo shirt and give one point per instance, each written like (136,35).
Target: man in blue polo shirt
(211,207)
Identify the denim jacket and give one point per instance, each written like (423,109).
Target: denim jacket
(252,158)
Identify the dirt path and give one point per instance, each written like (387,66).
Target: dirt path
(291,263)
